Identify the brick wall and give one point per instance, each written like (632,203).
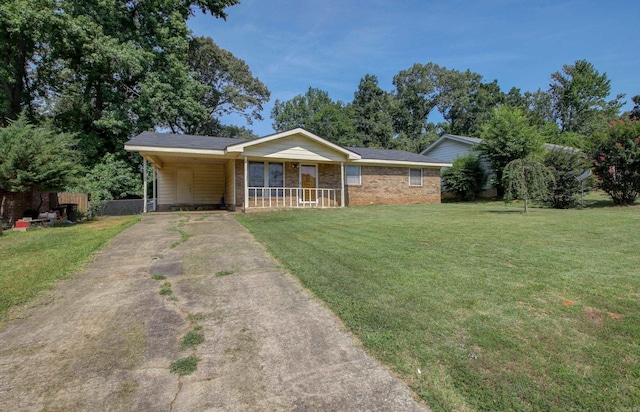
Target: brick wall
(380,185)
(329,176)
(16,204)
(390,185)
(239,183)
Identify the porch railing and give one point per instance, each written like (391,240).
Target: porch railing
(293,197)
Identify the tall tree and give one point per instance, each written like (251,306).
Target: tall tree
(635,112)
(231,88)
(24,28)
(465,102)
(416,96)
(102,70)
(579,95)
(316,112)
(506,137)
(372,108)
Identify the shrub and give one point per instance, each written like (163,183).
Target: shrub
(110,179)
(465,178)
(616,160)
(566,166)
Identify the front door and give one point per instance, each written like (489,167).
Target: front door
(309,182)
(184,187)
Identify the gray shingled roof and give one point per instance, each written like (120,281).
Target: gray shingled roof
(182,141)
(394,155)
(185,141)
(469,139)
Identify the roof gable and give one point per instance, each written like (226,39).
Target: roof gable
(471,141)
(293,142)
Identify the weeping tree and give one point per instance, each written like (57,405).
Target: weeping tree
(526,179)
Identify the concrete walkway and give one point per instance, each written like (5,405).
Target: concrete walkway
(105,338)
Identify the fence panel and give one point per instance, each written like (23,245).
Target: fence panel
(80,199)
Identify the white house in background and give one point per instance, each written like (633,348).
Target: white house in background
(450,146)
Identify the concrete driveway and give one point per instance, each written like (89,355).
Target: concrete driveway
(105,338)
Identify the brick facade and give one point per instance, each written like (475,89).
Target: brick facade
(390,186)
(16,203)
(379,184)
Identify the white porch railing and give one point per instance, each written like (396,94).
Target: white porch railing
(293,197)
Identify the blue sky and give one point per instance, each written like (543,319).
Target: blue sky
(331,44)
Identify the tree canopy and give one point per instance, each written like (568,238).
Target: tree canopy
(105,71)
(35,157)
(316,112)
(579,94)
(616,160)
(506,137)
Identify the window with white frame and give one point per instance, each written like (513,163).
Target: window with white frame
(265,174)
(352,175)
(415,177)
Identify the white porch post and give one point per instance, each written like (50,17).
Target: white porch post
(342,194)
(246,183)
(155,188)
(144,185)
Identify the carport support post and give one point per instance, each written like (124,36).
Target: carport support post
(144,185)
(342,184)
(246,183)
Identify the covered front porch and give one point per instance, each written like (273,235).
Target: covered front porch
(293,169)
(278,184)
(200,183)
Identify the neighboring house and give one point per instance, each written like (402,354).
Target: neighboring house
(449,147)
(291,169)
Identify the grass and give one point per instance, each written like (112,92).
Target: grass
(224,273)
(184,236)
(32,261)
(165,289)
(192,339)
(158,277)
(480,306)
(185,366)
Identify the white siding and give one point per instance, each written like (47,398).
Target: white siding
(208,182)
(166,186)
(448,150)
(296,148)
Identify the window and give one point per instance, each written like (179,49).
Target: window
(352,175)
(415,177)
(256,174)
(276,175)
(276,178)
(263,174)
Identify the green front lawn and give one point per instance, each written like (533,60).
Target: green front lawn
(31,261)
(479,306)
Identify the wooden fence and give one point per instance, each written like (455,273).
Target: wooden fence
(80,199)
